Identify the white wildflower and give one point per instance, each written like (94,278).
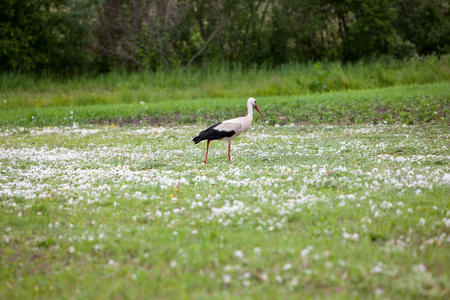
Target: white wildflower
(377,269)
(226,278)
(239,254)
(294,281)
(446,222)
(353,237)
(420,268)
(379,292)
(112,263)
(304,253)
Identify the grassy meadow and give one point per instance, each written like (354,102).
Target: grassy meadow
(316,211)
(341,191)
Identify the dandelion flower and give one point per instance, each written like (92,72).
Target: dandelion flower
(226,278)
(239,254)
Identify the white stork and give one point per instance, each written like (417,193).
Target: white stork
(228,129)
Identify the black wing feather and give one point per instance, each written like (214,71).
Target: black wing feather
(211,134)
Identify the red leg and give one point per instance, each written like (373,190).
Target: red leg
(229,150)
(207,148)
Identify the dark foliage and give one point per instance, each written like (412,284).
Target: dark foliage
(77,36)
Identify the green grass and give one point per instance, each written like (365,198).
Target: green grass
(217,82)
(428,103)
(303,211)
(92,210)
(413,91)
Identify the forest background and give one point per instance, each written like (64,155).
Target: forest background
(83,36)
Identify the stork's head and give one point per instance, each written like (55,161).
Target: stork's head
(252,101)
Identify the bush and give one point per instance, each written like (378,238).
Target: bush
(44,35)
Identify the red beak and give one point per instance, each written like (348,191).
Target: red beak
(259,111)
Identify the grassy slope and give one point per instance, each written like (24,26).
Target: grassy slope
(338,214)
(404,104)
(22,91)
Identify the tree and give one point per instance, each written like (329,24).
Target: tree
(133,33)
(42,35)
(426,24)
(68,36)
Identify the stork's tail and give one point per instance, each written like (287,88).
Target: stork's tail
(204,134)
(197,139)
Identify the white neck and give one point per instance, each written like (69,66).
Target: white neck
(250,110)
